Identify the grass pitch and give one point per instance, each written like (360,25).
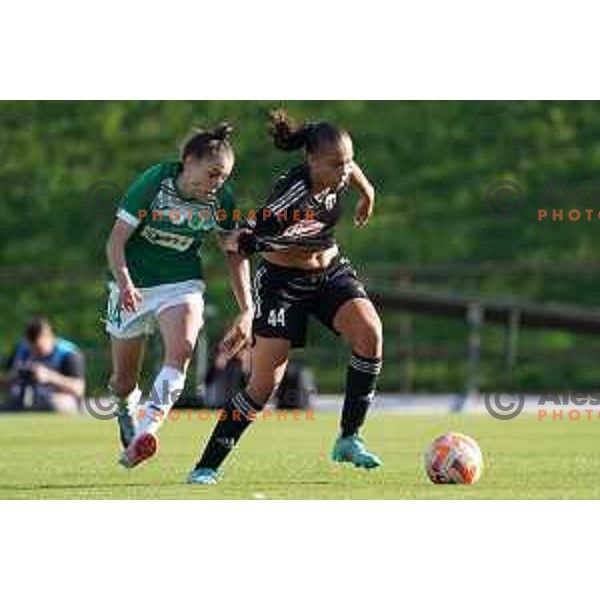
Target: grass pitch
(51,456)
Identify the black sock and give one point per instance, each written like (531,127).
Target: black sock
(236,416)
(360,389)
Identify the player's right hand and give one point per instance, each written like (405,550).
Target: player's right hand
(239,336)
(129,297)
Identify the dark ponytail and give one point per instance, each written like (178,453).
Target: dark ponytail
(286,135)
(206,144)
(311,136)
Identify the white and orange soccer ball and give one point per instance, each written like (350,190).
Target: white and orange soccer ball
(454,458)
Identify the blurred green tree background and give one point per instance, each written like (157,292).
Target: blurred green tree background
(63,164)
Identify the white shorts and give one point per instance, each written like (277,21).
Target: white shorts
(125,325)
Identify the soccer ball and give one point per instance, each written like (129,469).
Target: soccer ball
(454,458)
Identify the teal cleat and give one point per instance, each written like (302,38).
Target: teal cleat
(204,477)
(352,449)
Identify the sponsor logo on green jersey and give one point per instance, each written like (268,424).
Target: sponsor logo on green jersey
(166,239)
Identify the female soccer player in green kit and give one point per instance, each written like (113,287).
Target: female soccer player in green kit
(302,274)
(153,252)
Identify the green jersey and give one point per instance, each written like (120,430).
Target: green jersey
(169,230)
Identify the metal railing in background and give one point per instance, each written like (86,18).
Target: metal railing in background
(408,296)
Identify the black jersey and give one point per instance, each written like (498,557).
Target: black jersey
(293,216)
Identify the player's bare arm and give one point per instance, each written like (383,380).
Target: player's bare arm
(130,296)
(240,334)
(366,202)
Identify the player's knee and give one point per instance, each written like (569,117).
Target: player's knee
(369,339)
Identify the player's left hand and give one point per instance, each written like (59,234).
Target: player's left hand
(239,336)
(364,210)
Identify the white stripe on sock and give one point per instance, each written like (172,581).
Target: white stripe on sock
(373,368)
(242,405)
(365,367)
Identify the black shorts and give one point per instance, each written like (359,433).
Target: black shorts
(285,297)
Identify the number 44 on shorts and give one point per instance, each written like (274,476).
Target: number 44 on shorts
(276,317)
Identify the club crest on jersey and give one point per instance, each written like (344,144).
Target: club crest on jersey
(304,228)
(330,201)
(202,219)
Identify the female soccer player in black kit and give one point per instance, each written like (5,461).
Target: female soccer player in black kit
(302,273)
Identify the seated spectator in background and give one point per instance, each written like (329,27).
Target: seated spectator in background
(296,387)
(224,377)
(45,372)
